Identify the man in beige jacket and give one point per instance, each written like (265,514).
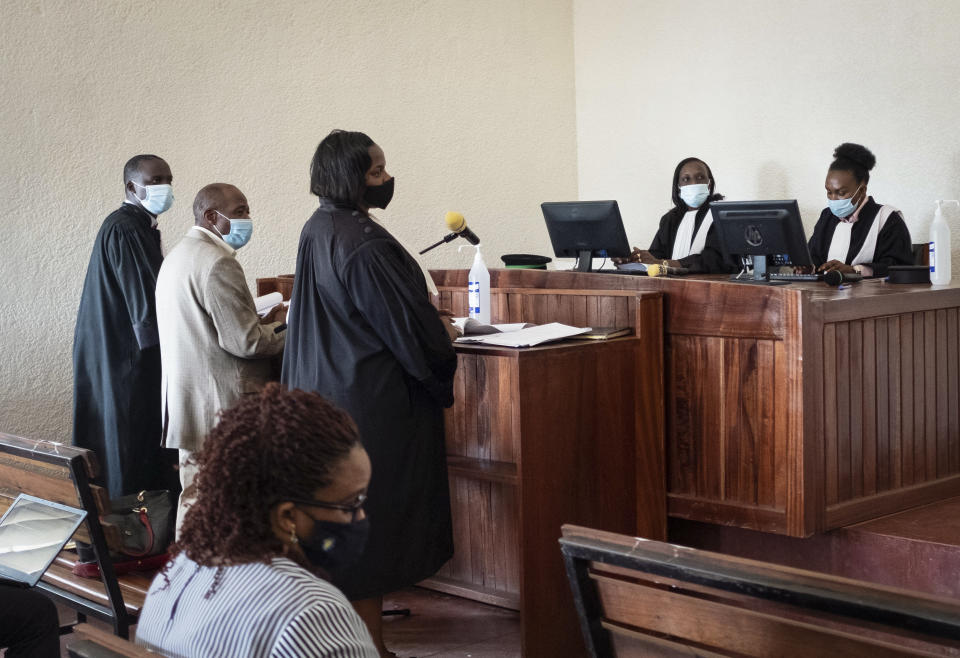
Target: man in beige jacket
(214,347)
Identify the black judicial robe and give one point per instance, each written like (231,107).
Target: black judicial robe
(363,333)
(709,261)
(893,241)
(116,357)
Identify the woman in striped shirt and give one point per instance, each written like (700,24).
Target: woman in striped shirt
(280,490)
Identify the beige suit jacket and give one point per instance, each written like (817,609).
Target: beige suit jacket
(212,345)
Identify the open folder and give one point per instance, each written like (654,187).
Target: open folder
(527,337)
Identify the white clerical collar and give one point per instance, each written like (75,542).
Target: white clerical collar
(216,238)
(153,218)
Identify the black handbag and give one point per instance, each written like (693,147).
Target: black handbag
(145,520)
(146,523)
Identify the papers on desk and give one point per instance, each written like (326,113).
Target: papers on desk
(473,327)
(632,267)
(266,302)
(528,337)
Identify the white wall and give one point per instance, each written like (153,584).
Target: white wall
(484,107)
(763,91)
(473,103)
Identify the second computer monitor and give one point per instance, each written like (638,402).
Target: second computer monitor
(584,229)
(763,230)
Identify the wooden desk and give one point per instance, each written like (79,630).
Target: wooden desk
(790,409)
(541,436)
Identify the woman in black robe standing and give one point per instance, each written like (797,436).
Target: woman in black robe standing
(363,333)
(854,232)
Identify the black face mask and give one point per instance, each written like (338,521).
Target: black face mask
(378,196)
(335,547)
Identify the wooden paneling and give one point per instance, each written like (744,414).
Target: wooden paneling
(953,391)
(722,422)
(487,561)
(569,432)
(608,308)
(788,408)
(890,408)
(481,424)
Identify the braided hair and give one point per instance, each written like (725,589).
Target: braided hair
(856,159)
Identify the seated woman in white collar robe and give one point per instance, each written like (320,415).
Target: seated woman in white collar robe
(854,232)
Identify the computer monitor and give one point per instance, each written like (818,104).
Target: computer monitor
(763,230)
(584,229)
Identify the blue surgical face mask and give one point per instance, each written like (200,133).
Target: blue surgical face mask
(240,231)
(843,207)
(159,198)
(694,195)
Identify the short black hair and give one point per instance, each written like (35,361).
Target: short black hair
(856,159)
(339,167)
(677,201)
(132,168)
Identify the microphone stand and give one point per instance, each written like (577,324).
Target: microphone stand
(448,238)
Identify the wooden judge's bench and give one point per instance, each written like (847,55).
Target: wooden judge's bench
(790,410)
(785,409)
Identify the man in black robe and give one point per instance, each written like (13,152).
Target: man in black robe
(116,353)
(363,333)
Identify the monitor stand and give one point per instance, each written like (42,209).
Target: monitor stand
(584,261)
(759,274)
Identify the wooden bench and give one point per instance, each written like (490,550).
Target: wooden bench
(62,474)
(93,642)
(637,597)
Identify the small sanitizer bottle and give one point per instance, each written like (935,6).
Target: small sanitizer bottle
(940,247)
(478,289)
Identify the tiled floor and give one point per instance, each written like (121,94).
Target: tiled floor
(439,625)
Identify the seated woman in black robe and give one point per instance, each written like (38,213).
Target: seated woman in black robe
(854,232)
(686,237)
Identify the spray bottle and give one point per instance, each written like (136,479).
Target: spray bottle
(478,288)
(940,246)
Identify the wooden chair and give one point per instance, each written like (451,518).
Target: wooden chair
(637,597)
(62,474)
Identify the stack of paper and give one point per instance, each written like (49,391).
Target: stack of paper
(473,327)
(528,337)
(266,302)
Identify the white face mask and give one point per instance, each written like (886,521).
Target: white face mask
(694,195)
(159,198)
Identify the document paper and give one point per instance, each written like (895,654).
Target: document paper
(527,337)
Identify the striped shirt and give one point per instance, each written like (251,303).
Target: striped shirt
(279,610)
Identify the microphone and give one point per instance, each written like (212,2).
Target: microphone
(665,270)
(457,224)
(835,277)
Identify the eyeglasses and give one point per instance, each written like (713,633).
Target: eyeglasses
(354,508)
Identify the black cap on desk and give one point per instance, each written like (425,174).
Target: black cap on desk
(908,274)
(525,261)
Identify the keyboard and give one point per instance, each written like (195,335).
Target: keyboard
(795,277)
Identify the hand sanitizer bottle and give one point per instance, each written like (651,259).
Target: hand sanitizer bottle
(940,247)
(478,289)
